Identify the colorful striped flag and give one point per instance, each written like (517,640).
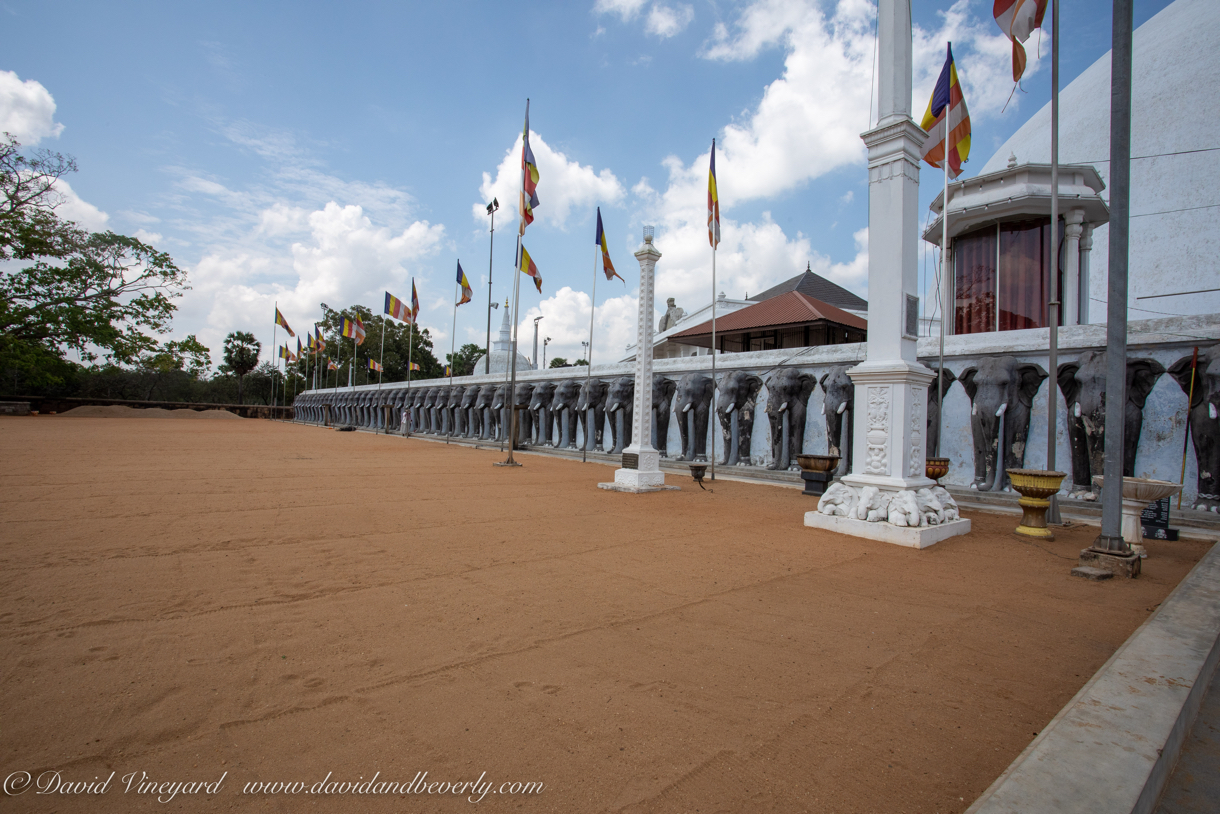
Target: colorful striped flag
(283,323)
(1018,19)
(374,366)
(713,203)
(529,176)
(286,353)
(415,366)
(353,329)
(330,365)
(467,291)
(321,343)
(947,120)
(397,308)
(300,350)
(448,370)
(527,265)
(414,303)
(600,240)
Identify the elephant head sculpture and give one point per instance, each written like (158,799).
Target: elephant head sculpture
(620,406)
(470,416)
(738,394)
(1204,422)
(499,409)
(591,409)
(934,402)
(485,412)
(563,407)
(540,409)
(1001,391)
(439,402)
(788,393)
(662,394)
(1083,383)
(693,401)
(457,417)
(522,397)
(838,405)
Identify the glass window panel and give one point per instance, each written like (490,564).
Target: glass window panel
(975,278)
(1024,280)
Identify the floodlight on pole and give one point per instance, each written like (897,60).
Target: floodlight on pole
(536,321)
(491,303)
(545,342)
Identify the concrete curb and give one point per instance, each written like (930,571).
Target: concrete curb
(1113,747)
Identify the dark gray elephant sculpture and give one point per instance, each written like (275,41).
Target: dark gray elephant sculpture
(738,395)
(693,401)
(591,406)
(499,409)
(934,402)
(418,396)
(563,407)
(838,405)
(1204,422)
(1083,383)
(471,422)
(540,409)
(525,419)
(483,409)
(1001,391)
(457,417)
(662,395)
(788,393)
(620,408)
(427,411)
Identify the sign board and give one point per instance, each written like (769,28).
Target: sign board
(631,460)
(1156,514)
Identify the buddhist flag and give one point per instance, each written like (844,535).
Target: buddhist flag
(713,203)
(947,122)
(284,352)
(415,366)
(353,329)
(330,365)
(448,370)
(1018,19)
(414,303)
(321,343)
(529,176)
(600,240)
(527,265)
(397,308)
(311,343)
(283,323)
(467,291)
(373,366)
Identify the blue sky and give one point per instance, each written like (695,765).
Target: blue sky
(306,153)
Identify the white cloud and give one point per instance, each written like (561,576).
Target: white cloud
(566,321)
(151,238)
(77,210)
(27,110)
(625,9)
(563,185)
(665,22)
(282,219)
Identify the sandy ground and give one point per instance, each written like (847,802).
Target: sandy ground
(283,603)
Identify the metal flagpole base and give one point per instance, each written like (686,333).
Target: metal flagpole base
(1052,512)
(509,462)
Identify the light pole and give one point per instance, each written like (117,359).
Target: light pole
(545,342)
(536,321)
(491,210)
(585,352)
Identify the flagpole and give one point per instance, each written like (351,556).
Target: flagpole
(944,278)
(584,452)
(1052,512)
(713,456)
(275,343)
(511,397)
(452,352)
(410,346)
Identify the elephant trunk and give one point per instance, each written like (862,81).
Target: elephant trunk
(731,456)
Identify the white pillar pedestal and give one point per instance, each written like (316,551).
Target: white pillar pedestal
(641,470)
(1073,228)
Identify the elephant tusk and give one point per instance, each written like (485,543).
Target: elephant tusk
(613,408)
(1003,409)
(686,409)
(974,409)
(1211,411)
(732,407)
(842,407)
(783,406)
(823,408)
(1076,409)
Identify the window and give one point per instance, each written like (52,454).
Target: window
(1002,277)
(975,272)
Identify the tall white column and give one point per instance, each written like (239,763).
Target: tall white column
(647,475)
(1072,230)
(890,431)
(1086,251)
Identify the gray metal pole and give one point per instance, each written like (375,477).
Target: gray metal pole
(1052,311)
(490,258)
(1116,305)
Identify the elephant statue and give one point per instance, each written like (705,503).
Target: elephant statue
(738,393)
(457,416)
(592,401)
(620,406)
(485,413)
(540,409)
(427,413)
(440,423)
(525,419)
(471,421)
(1083,383)
(934,402)
(563,408)
(662,395)
(839,401)
(398,410)
(788,393)
(694,400)
(1001,391)
(417,409)
(1204,423)
(499,409)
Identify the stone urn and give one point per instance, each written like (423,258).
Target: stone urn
(1137,494)
(936,468)
(818,463)
(697,471)
(1036,486)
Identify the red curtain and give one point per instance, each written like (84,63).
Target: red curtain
(975,278)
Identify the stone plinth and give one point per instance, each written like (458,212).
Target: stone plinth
(1122,565)
(911,537)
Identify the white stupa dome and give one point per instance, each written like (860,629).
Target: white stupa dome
(501,350)
(1175,167)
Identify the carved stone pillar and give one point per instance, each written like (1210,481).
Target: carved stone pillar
(1086,250)
(1072,231)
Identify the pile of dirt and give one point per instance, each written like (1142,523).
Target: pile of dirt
(121,411)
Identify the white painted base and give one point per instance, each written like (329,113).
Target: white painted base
(912,537)
(635,489)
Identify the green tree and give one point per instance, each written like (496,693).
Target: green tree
(241,356)
(463,361)
(559,361)
(399,339)
(580,362)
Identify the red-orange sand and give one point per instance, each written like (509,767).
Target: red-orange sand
(182,599)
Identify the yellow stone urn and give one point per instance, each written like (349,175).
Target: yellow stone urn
(1036,486)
